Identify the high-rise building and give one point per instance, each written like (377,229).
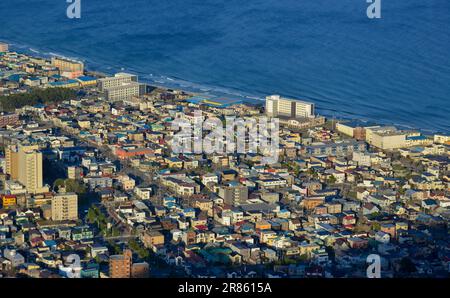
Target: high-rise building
(120,87)
(30,168)
(125,91)
(12,163)
(4,47)
(120,265)
(117,80)
(292,108)
(24,164)
(65,206)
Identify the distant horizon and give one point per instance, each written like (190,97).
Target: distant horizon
(392,70)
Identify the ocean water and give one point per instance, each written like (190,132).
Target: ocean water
(391,70)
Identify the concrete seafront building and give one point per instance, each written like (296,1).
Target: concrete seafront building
(293,108)
(65,206)
(120,87)
(117,80)
(386,137)
(67,67)
(354,129)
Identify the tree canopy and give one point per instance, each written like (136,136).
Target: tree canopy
(35,96)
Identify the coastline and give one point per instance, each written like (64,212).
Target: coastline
(166,82)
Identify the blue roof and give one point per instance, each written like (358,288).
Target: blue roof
(86,78)
(15,77)
(50,243)
(414,138)
(62,83)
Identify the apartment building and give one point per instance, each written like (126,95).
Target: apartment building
(24,164)
(120,265)
(342,148)
(117,80)
(292,108)
(65,206)
(68,68)
(386,137)
(234,195)
(8,119)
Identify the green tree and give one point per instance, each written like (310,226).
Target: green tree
(36,96)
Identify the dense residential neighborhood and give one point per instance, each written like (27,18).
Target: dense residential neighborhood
(90,186)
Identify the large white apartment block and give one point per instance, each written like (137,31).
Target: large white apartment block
(122,86)
(117,80)
(293,108)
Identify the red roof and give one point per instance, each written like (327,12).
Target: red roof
(201,227)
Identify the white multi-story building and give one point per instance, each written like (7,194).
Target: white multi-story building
(293,108)
(121,87)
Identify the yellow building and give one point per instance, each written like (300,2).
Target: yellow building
(11,159)
(126,182)
(66,65)
(86,81)
(174,163)
(152,238)
(262,225)
(30,168)
(24,164)
(9,201)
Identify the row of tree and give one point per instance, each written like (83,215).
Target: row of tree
(36,96)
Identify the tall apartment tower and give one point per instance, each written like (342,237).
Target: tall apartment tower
(30,168)
(65,206)
(12,162)
(292,108)
(120,265)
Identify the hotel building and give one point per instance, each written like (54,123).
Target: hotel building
(292,108)
(117,80)
(121,87)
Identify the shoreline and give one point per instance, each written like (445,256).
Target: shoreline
(197,88)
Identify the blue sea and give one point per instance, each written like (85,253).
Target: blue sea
(392,70)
